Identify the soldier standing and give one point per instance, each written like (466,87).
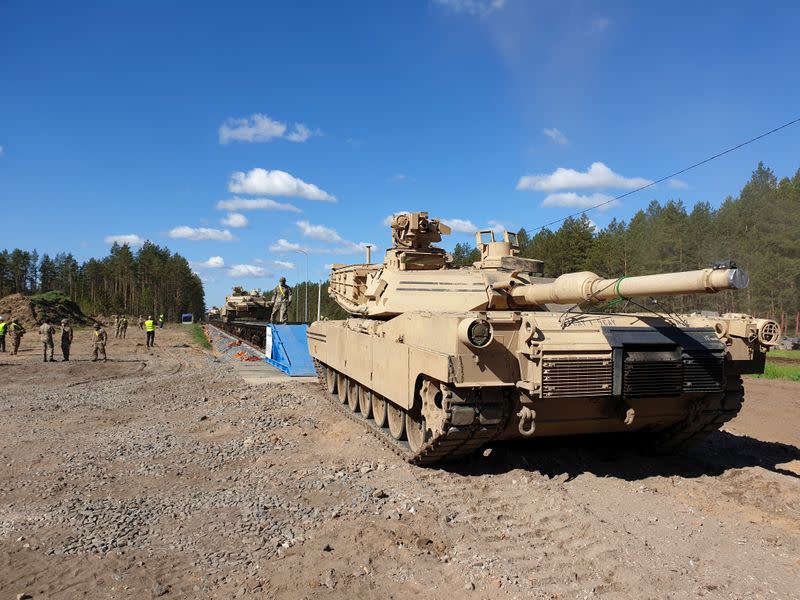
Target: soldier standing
(123,327)
(141,322)
(281,299)
(116,326)
(3,326)
(161,321)
(17,331)
(66,339)
(46,333)
(100,338)
(150,329)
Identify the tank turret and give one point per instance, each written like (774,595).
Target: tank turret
(439,360)
(500,280)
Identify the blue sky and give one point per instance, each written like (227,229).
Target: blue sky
(139,119)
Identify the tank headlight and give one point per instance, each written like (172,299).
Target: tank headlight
(769,332)
(477,333)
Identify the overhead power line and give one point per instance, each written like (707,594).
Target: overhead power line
(675,174)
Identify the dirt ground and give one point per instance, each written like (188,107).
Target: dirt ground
(161,474)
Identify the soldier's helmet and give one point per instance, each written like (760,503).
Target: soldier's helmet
(64,321)
(149,316)
(283,279)
(97,325)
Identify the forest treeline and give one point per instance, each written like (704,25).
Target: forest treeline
(759,230)
(151,280)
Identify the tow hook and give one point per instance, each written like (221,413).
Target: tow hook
(526,425)
(625,412)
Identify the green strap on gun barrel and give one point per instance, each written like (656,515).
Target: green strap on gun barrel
(620,297)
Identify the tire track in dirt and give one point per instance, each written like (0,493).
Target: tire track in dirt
(528,530)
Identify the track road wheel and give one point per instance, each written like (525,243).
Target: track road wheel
(352,395)
(365,402)
(416,431)
(330,379)
(397,421)
(379,411)
(341,387)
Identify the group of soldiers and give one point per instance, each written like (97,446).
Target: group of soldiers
(47,333)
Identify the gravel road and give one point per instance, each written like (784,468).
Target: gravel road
(162,474)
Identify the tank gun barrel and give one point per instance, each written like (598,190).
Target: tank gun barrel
(573,288)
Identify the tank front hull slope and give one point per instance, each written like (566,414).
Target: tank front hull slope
(610,374)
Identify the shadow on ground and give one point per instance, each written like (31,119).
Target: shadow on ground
(609,457)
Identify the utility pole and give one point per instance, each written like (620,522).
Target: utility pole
(319,300)
(305,285)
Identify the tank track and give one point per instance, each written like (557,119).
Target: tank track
(708,414)
(454,443)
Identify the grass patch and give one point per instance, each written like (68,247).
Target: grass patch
(791,354)
(199,336)
(788,372)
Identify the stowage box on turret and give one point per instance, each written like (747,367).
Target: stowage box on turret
(440,360)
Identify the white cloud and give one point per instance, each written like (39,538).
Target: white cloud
(283,245)
(480,8)
(260,128)
(319,232)
(131,239)
(284,263)
(497,226)
(255,204)
(1,151)
(599,24)
(576,200)
(234,220)
(344,247)
(460,225)
(246,271)
(555,135)
(213,262)
(399,178)
(301,133)
(201,233)
(277,183)
(599,176)
(677,184)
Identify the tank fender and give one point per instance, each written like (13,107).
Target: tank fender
(425,363)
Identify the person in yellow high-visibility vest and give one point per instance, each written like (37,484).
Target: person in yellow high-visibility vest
(150,330)
(99,346)
(3,326)
(281,299)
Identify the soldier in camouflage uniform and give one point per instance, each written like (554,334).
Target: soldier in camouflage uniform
(46,333)
(17,331)
(281,299)
(100,338)
(66,339)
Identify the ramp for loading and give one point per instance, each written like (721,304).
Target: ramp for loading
(286,348)
(250,360)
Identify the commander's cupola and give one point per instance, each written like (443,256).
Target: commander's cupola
(413,235)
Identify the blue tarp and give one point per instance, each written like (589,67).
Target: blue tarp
(289,350)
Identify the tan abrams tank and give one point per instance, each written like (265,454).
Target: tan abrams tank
(437,361)
(243,305)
